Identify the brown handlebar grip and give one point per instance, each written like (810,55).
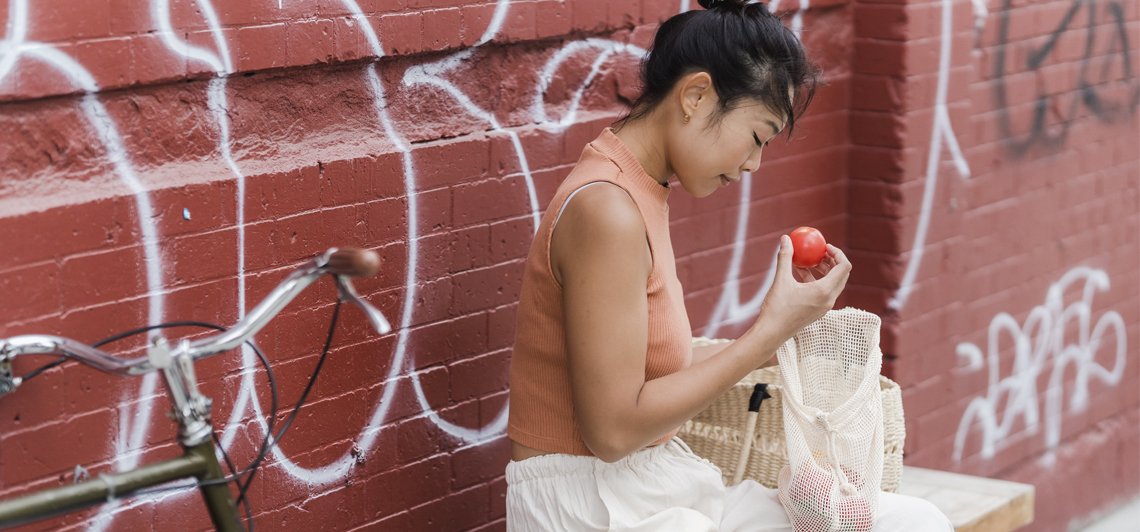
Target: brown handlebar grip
(354,262)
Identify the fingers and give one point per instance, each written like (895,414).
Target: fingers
(784,257)
(839,267)
(823,267)
(804,274)
(841,261)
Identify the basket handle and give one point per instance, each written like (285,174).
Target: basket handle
(759,394)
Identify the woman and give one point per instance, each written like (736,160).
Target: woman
(603,372)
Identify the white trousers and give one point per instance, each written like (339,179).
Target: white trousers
(665,488)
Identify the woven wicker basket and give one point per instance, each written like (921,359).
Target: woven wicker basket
(718,433)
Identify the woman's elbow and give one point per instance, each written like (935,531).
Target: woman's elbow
(608,449)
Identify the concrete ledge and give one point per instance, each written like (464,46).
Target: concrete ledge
(973,504)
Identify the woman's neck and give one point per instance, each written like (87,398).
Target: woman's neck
(645,141)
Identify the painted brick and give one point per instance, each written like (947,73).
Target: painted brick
(885,21)
(58,20)
(209,207)
(433,384)
(1035,206)
(552,18)
(153,62)
(450,340)
(589,15)
(498,496)
(878,93)
(263,47)
(34,453)
(31,291)
(451,163)
(443,29)
(510,239)
(493,408)
(109,61)
(308,42)
(402,34)
(433,210)
(882,130)
(487,288)
(520,23)
(480,463)
(476,202)
(351,42)
(304,236)
(203,257)
(451,513)
(345,182)
(474,377)
(476,22)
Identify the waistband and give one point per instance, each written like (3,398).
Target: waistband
(569,465)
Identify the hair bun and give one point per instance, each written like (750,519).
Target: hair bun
(710,4)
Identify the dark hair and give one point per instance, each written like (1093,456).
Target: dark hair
(746,50)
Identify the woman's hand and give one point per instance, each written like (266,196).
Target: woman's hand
(799,296)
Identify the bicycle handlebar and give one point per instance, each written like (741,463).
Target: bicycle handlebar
(339,263)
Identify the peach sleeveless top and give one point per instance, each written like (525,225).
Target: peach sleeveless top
(541,412)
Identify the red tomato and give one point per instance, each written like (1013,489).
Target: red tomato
(808,247)
(855,514)
(809,491)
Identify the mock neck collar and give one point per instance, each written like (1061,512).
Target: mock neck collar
(611,146)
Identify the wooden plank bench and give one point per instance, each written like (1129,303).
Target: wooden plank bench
(973,504)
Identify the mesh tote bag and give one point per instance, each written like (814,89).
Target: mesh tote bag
(833,423)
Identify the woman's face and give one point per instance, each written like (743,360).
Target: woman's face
(706,156)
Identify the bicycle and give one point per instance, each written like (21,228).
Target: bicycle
(191,409)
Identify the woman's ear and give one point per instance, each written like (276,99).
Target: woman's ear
(694,91)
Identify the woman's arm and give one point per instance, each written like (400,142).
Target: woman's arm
(702,352)
(600,255)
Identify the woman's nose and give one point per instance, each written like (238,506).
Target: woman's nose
(753,161)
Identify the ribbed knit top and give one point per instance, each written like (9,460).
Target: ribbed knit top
(541,412)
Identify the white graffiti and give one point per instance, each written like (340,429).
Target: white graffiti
(729,310)
(1037,343)
(546,76)
(134,429)
(137,424)
(12,48)
(942,134)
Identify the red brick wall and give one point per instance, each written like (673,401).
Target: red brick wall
(222,145)
(1015,337)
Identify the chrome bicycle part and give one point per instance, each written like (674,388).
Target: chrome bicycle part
(7,381)
(191,408)
(243,330)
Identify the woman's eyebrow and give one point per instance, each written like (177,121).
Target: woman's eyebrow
(775,130)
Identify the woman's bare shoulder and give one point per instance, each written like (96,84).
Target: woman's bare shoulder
(599,223)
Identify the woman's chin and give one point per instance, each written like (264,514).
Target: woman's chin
(698,190)
(706,192)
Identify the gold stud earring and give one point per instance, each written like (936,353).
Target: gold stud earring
(686,119)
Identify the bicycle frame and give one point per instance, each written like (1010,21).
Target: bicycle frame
(197,462)
(191,408)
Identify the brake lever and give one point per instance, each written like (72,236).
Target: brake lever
(348,293)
